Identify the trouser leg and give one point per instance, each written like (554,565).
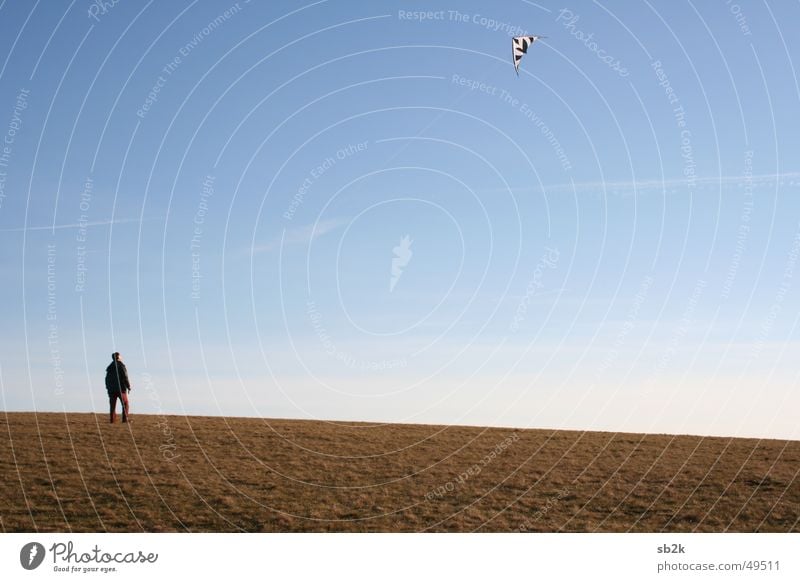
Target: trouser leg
(124,398)
(112,400)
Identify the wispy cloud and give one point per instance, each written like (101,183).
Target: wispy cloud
(632,186)
(756,180)
(82,224)
(300,235)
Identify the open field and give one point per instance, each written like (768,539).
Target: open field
(76,472)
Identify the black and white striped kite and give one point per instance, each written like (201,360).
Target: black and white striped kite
(519,46)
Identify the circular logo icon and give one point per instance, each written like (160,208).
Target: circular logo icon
(31,555)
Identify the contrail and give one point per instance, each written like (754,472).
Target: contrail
(82,224)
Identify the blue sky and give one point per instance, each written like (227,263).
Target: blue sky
(221,192)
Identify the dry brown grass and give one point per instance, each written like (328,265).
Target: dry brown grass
(75,472)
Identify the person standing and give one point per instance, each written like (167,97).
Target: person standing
(118,386)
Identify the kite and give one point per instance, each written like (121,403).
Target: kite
(519,46)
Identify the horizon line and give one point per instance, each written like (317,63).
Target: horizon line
(356,423)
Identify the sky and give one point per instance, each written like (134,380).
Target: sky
(359,211)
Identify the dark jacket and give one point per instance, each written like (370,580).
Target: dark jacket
(117,378)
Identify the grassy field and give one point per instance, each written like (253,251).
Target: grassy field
(76,472)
